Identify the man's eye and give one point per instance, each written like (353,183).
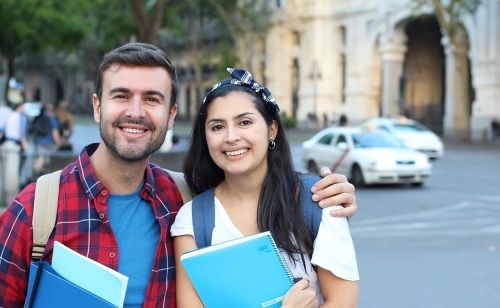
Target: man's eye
(153,101)
(120,97)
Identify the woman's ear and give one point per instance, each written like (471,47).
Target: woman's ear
(273,130)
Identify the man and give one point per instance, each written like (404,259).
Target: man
(114,206)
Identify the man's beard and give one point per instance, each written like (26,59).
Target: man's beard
(129,152)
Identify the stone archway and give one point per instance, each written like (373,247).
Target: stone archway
(422,84)
(425,77)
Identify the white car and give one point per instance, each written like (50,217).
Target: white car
(365,156)
(412,133)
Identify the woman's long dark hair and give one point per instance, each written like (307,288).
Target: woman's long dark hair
(279,209)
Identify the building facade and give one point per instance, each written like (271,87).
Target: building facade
(369,58)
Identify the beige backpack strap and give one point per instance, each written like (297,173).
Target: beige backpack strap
(180,181)
(44,211)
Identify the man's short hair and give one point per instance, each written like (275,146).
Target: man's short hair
(137,54)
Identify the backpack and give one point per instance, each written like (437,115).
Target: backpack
(203,212)
(41,126)
(45,207)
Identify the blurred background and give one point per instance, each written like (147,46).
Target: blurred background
(419,80)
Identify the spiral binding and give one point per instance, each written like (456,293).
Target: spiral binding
(284,264)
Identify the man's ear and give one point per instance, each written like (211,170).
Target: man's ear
(96,105)
(171,116)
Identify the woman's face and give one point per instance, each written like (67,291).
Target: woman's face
(237,135)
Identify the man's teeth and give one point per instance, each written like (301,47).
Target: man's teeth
(134,130)
(234,153)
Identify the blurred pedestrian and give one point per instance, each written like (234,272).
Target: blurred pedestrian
(4,113)
(495,130)
(16,143)
(66,124)
(343,120)
(46,134)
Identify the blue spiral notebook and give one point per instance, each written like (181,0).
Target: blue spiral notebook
(246,272)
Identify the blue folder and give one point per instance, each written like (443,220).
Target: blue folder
(247,272)
(54,291)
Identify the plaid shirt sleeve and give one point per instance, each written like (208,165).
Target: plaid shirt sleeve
(15,251)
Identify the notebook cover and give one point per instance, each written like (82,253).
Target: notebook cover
(246,272)
(54,291)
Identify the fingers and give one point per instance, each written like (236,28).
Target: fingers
(299,285)
(300,295)
(333,190)
(328,180)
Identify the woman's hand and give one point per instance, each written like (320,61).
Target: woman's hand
(300,295)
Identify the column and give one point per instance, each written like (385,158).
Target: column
(456,106)
(392,51)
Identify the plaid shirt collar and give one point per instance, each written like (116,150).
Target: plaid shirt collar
(88,177)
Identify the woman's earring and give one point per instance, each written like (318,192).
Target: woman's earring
(272,144)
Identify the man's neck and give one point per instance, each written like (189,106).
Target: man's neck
(119,176)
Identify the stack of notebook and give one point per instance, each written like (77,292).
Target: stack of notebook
(74,280)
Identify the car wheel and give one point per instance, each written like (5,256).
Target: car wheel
(418,184)
(357,176)
(312,167)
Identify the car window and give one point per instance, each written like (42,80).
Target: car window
(326,139)
(410,127)
(375,139)
(384,128)
(341,138)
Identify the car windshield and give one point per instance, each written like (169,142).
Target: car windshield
(375,139)
(410,127)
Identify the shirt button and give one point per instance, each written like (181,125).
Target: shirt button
(101,215)
(104,192)
(111,254)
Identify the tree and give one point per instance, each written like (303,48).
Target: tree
(449,15)
(148,16)
(31,26)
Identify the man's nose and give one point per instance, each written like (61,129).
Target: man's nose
(136,108)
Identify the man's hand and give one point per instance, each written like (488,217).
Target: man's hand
(334,189)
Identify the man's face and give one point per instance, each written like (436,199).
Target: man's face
(133,112)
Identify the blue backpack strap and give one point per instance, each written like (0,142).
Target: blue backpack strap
(310,210)
(203,213)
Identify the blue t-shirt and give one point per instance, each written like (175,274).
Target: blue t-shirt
(137,232)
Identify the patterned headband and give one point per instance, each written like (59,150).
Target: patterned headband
(243,78)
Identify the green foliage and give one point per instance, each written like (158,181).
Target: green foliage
(288,122)
(33,25)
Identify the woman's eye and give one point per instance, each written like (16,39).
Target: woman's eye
(217,127)
(245,122)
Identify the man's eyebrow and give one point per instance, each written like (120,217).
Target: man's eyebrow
(126,90)
(119,90)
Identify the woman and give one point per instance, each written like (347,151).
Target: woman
(256,189)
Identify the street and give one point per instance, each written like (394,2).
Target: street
(435,246)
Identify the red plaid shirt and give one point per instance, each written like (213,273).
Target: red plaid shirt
(83,225)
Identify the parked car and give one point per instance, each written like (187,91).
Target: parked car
(365,156)
(412,133)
